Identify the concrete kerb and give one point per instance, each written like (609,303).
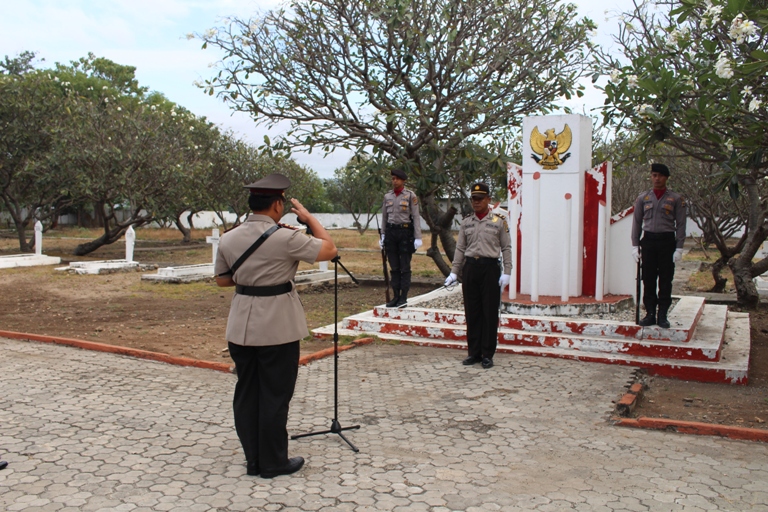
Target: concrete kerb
(626,403)
(161,357)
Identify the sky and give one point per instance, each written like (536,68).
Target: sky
(151,35)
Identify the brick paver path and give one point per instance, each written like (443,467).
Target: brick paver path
(92,431)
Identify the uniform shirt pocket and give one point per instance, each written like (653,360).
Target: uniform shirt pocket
(390,206)
(404,205)
(647,211)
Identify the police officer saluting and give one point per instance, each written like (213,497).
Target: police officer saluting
(482,237)
(401,236)
(266,319)
(660,215)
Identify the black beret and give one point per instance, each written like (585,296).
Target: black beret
(660,168)
(400,174)
(480,189)
(270,185)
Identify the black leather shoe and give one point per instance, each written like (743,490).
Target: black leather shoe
(663,322)
(3,464)
(294,464)
(393,302)
(647,320)
(487,362)
(470,361)
(401,302)
(252,469)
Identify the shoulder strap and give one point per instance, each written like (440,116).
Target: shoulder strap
(253,248)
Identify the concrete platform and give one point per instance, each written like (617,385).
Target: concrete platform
(27,260)
(705,343)
(99,267)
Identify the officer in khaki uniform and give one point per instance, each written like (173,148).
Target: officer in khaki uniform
(401,236)
(660,215)
(266,320)
(482,237)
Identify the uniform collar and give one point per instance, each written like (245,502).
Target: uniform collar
(255,217)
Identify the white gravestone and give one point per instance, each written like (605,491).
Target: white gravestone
(214,241)
(130,242)
(38,238)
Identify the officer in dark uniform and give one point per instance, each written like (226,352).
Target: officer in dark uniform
(266,320)
(660,215)
(401,236)
(482,237)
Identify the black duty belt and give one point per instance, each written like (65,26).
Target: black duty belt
(478,260)
(264,291)
(407,225)
(667,235)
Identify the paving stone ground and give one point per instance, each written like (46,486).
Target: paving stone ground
(89,431)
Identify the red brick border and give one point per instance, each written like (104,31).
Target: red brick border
(694,427)
(159,356)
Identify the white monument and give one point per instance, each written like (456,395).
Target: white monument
(559,211)
(30,260)
(100,266)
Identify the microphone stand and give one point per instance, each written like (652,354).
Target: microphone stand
(336,427)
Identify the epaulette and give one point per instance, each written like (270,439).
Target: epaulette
(287,226)
(233,227)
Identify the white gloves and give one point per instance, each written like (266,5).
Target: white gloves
(636,253)
(381,242)
(416,244)
(452,278)
(678,255)
(504,281)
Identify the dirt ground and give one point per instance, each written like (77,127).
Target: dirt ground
(190,320)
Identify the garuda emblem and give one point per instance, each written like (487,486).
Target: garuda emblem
(550,149)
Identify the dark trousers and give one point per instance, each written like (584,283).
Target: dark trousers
(398,244)
(658,250)
(482,294)
(266,379)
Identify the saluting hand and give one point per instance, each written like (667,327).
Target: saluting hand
(301,213)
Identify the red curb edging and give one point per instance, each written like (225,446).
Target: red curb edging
(327,352)
(159,356)
(694,427)
(114,349)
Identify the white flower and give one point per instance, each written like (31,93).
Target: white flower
(173,113)
(153,107)
(741,29)
(211,32)
(191,128)
(106,100)
(55,79)
(723,66)
(754,104)
(632,80)
(190,35)
(675,36)
(615,74)
(119,109)
(729,145)
(747,91)
(712,15)
(644,110)
(104,88)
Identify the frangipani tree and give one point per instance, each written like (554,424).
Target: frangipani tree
(692,75)
(410,80)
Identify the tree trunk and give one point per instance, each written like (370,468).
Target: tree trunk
(186,232)
(107,238)
(439,223)
(746,291)
(742,267)
(720,281)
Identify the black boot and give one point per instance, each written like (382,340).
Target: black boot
(402,301)
(395,299)
(648,319)
(663,322)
